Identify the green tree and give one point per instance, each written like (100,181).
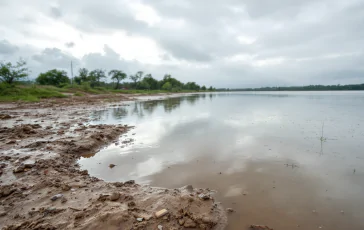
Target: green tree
(53,77)
(153,83)
(167,86)
(210,89)
(203,88)
(83,74)
(118,76)
(10,73)
(95,77)
(136,77)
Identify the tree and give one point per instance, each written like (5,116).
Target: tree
(118,76)
(203,88)
(153,83)
(95,77)
(167,86)
(83,74)
(53,77)
(135,78)
(210,89)
(10,73)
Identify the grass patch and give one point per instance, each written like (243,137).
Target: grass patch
(26,93)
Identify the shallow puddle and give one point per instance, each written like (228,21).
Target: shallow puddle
(288,160)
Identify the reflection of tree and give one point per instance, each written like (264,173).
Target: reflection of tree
(149,106)
(119,112)
(137,109)
(172,103)
(99,115)
(192,99)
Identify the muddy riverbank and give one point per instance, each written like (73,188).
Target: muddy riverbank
(42,186)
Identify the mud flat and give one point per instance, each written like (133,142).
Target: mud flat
(42,186)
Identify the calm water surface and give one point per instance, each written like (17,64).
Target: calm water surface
(289,160)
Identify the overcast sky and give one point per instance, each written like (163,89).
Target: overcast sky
(224,43)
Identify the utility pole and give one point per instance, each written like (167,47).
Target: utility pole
(72,73)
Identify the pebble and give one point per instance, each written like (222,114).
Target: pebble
(204,196)
(114,196)
(230,210)
(139,219)
(189,223)
(55,197)
(160,227)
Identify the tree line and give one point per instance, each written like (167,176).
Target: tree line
(10,73)
(303,88)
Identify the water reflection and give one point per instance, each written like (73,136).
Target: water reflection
(271,147)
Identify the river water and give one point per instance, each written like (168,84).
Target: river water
(288,160)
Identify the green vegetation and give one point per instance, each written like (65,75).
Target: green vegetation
(10,73)
(27,93)
(53,77)
(303,88)
(55,83)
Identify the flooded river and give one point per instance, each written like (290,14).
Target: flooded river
(288,160)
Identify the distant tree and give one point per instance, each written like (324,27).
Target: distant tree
(53,77)
(210,89)
(153,83)
(192,86)
(118,76)
(203,88)
(83,74)
(95,77)
(136,77)
(10,73)
(167,86)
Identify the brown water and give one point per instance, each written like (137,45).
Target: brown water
(289,160)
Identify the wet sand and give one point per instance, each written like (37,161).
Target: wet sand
(43,187)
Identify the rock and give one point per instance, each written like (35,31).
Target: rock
(189,223)
(102,197)
(160,227)
(79,215)
(230,210)
(56,197)
(65,187)
(203,196)
(139,219)
(161,213)
(111,166)
(118,184)
(11,142)
(29,163)
(5,116)
(6,190)
(63,200)
(114,196)
(84,172)
(3,214)
(189,188)
(130,182)
(131,204)
(181,222)
(19,169)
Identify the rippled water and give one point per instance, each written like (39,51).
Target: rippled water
(289,160)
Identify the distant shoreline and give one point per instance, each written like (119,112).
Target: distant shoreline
(354,87)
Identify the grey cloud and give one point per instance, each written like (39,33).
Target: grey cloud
(69,44)
(55,12)
(6,48)
(51,58)
(317,41)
